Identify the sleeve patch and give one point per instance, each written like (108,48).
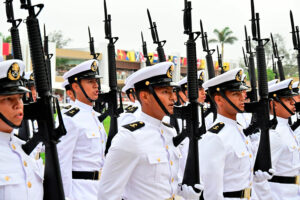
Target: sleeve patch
(134,126)
(217,127)
(131,109)
(72,112)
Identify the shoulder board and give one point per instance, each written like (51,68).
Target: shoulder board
(134,126)
(72,112)
(131,109)
(67,107)
(167,125)
(217,127)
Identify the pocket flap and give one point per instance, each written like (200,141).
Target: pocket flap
(11,178)
(157,158)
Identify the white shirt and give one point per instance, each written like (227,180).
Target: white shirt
(81,149)
(128,117)
(141,164)
(21,177)
(226,160)
(285,154)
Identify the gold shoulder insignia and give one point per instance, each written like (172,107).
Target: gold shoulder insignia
(167,125)
(217,127)
(134,126)
(131,109)
(67,107)
(72,112)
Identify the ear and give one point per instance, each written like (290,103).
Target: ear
(144,97)
(218,99)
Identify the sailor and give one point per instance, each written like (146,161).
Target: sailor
(29,83)
(81,150)
(285,147)
(21,177)
(295,119)
(142,162)
(69,93)
(134,109)
(226,155)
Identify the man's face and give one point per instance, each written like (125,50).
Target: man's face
(90,86)
(11,106)
(281,111)
(237,98)
(33,92)
(201,95)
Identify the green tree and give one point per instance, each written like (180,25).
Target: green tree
(58,38)
(6,39)
(224,36)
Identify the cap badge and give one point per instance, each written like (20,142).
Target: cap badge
(14,72)
(94,66)
(291,85)
(238,76)
(170,71)
(31,77)
(201,76)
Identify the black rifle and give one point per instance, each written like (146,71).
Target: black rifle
(220,62)
(210,69)
(145,52)
(42,110)
(279,59)
(160,44)
(48,57)
(251,69)
(112,97)
(274,67)
(246,60)
(190,112)
(261,107)
(92,48)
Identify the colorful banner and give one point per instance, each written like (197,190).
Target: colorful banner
(6,49)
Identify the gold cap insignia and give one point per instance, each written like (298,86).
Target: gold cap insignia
(291,85)
(170,71)
(238,76)
(14,72)
(31,77)
(274,95)
(94,66)
(201,76)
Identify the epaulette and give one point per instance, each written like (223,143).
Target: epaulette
(67,107)
(167,125)
(72,112)
(217,127)
(134,126)
(131,109)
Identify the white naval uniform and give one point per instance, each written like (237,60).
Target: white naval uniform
(128,117)
(81,149)
(285,154)
(141,164)
(21,177)
(226,160)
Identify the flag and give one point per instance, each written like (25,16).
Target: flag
(175,60)
(216,65)
(170,58)
(155,58)
(5,49)
(131,56)
(198,63)
(142,59)
(151,57)
(137,56)
(202,64)
(226,66)
(121,54)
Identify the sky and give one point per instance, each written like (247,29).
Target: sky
(129,18)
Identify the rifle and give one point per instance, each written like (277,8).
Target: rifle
(274,67)
(279,59)
(246,60)
(210,69)
(261,107)
(220,62)
(112,97)
(145,52)
(160,44)
(251,68)
(190,111)
(47,57)
(92,48)
(42,110)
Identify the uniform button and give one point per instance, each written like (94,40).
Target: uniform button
(102,141)
(161,131)
(251,169)
(13,146)
(294,147)
(172,180)
(171,162)
(167,147)
(158,159)
(7,178)
(29,184)
(173,196)
(250,155)
(25,163)
(93,134)
(250,184)
(247,141)
(99,127)
(93,114)
(243,153)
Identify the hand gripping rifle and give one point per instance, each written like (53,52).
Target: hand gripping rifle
(145,52)
(210,69)
(251,68)
(160,44)
(220,62)
(42,110)
(261,107)
(112,97)
(191,173)
(296,44)
(274,67)
(279,59)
